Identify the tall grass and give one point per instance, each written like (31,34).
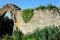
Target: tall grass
(41,7)
(49,7)
(16,35)
(27,15)
(47,33)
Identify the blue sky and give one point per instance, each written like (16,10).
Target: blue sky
(23,4)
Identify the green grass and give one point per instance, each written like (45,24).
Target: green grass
(41,7)
(47,33)
(27,15)
(49,7)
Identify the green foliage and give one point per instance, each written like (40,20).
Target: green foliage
(7,19)
(47,33)
(41,7)
(7,37)
(49,7)
(28,37)
(16,34)
(6,26)
(27,15)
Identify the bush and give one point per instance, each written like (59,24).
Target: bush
(17,34)
(27,15)
(49,7)
(41,7)
(28,37)
(7,37)
(47,33)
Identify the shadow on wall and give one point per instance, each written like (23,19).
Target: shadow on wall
(6,26)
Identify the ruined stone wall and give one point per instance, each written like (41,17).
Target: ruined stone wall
(12,9)
(40,19)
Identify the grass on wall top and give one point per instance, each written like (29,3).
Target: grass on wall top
(49,7)
(27,15)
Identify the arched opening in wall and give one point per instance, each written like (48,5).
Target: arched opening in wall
(8,15)
(7,25)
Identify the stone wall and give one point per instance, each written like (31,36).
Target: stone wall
(40,19)
(12,9)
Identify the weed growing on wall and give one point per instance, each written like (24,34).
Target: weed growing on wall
(27,15)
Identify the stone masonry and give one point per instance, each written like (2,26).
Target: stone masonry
(40,19)
(12,9)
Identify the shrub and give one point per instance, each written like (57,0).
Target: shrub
(7,37)
(47,33)
(27,15)
(41,7)
(49,7)
(16,35)
(28,37)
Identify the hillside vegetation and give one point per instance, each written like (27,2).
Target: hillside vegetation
(49,7)
(47,33)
